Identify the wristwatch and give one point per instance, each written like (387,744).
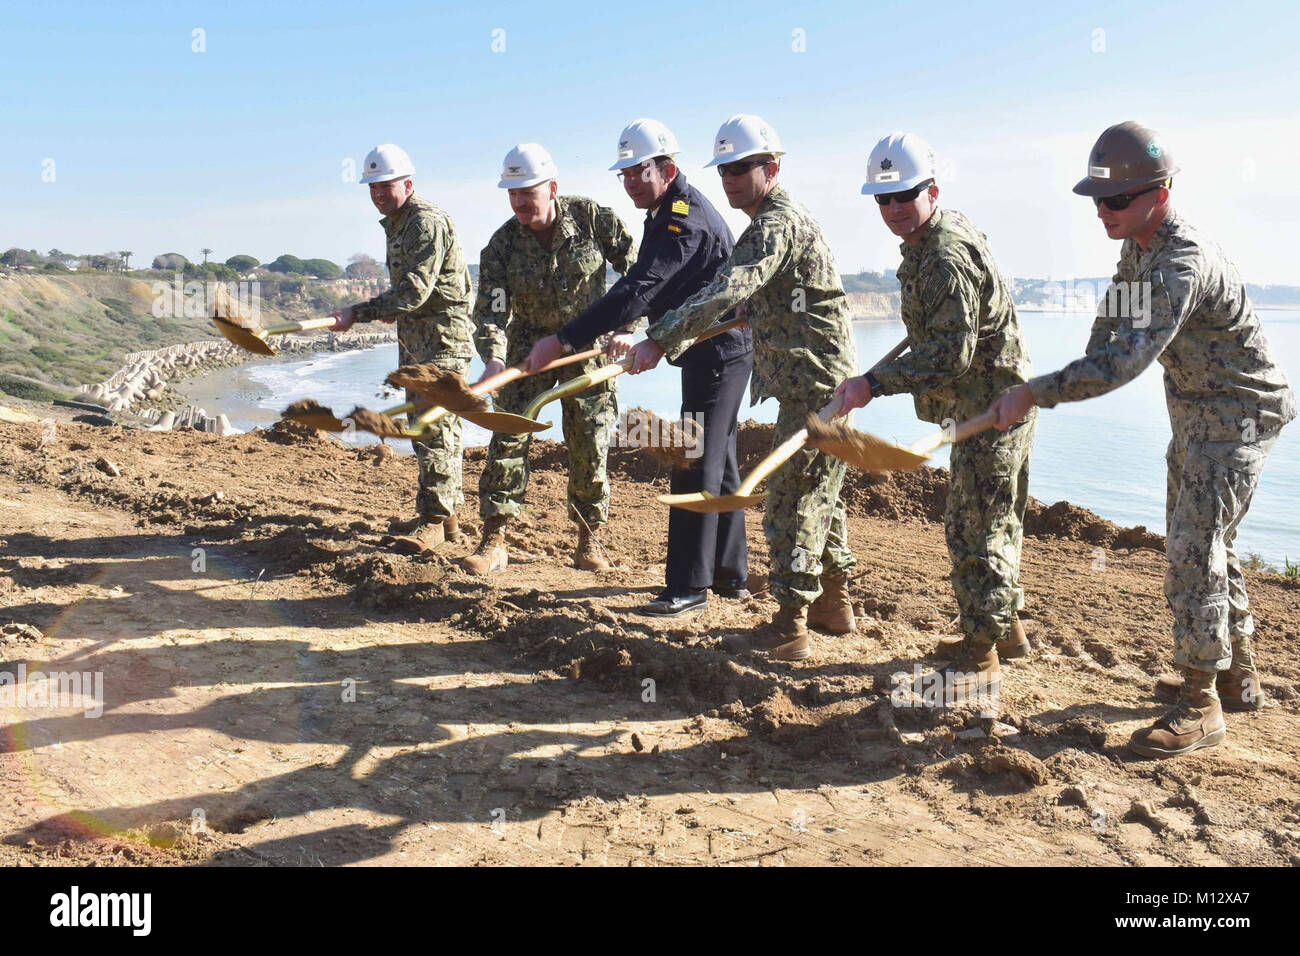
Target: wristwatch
(564,343)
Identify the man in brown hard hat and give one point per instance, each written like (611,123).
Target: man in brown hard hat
(1177,299)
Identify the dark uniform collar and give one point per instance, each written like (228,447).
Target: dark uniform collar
(676,190)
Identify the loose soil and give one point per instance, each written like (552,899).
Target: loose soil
(281,689)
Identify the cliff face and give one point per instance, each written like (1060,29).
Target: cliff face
(874,305)
(64,330)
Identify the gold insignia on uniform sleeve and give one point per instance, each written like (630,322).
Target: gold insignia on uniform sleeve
(673,227)
(681,207)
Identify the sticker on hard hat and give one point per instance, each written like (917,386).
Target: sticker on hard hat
(886,163)
(1099,172)
(625,154)
(724,147)
(1153,150)
(887,177)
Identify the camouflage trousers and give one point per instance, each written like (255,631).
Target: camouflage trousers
(438,453)
(985,525)
(1209,490)
(803,517)
(588,420)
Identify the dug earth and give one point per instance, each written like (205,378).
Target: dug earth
(277,688)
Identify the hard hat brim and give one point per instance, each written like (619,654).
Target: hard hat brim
(879,189)
(743,154)
(524,183)
(384,178)
(1101,188)
(638,160)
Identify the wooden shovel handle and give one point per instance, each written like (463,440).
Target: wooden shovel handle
(307,325)
(521,371)
(972,426)
(784,451)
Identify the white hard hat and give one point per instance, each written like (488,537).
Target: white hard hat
(386,162)
(526,165)
(744,135)
(899,161)
(644,139)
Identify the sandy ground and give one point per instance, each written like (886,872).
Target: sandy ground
(282,689)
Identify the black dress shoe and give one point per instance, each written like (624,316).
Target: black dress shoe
(671,605)
(734,594)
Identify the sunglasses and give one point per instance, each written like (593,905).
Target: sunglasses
(741,167)
(1117,203)
(907,195)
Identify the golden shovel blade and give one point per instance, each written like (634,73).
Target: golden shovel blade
(250,340)
(701,502)
(505,422)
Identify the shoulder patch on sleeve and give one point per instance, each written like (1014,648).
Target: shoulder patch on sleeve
(681,207)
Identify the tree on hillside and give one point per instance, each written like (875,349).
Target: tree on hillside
(206,253)
(321,268)
(17,257)
(126,260)
(362,266)
(286,263)
(242,263)
(171,261)
(63,258)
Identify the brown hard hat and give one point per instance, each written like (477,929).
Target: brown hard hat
(1125,157)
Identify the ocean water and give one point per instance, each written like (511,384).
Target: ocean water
(1106,455)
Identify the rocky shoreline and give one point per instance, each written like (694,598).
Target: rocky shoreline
(140,387)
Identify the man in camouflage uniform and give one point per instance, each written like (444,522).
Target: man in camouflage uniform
(783,270)
(965,350)
(1176,299)
(429,299)
(540,269)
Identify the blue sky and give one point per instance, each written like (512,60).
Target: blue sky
(241,147)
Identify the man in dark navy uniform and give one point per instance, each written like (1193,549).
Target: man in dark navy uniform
(684,243)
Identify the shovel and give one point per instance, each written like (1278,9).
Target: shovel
(527,422)
(705,503)
(382,423)
(254,340)
(875,454)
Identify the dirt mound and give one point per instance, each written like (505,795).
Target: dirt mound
(670,443)
(1064,520)
(292,433)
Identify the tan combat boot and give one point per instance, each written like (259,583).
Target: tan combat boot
(975,676)
(1195,722)
(451,529)
(1238,687)
(410,525)
(427,536)
(491,554)
(785,638)
(1015,645)
(589,555)
(832,611)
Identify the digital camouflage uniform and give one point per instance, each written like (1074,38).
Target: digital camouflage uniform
(430,298)
(784,272)
(1182,303)
(526,293)
(966,350)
